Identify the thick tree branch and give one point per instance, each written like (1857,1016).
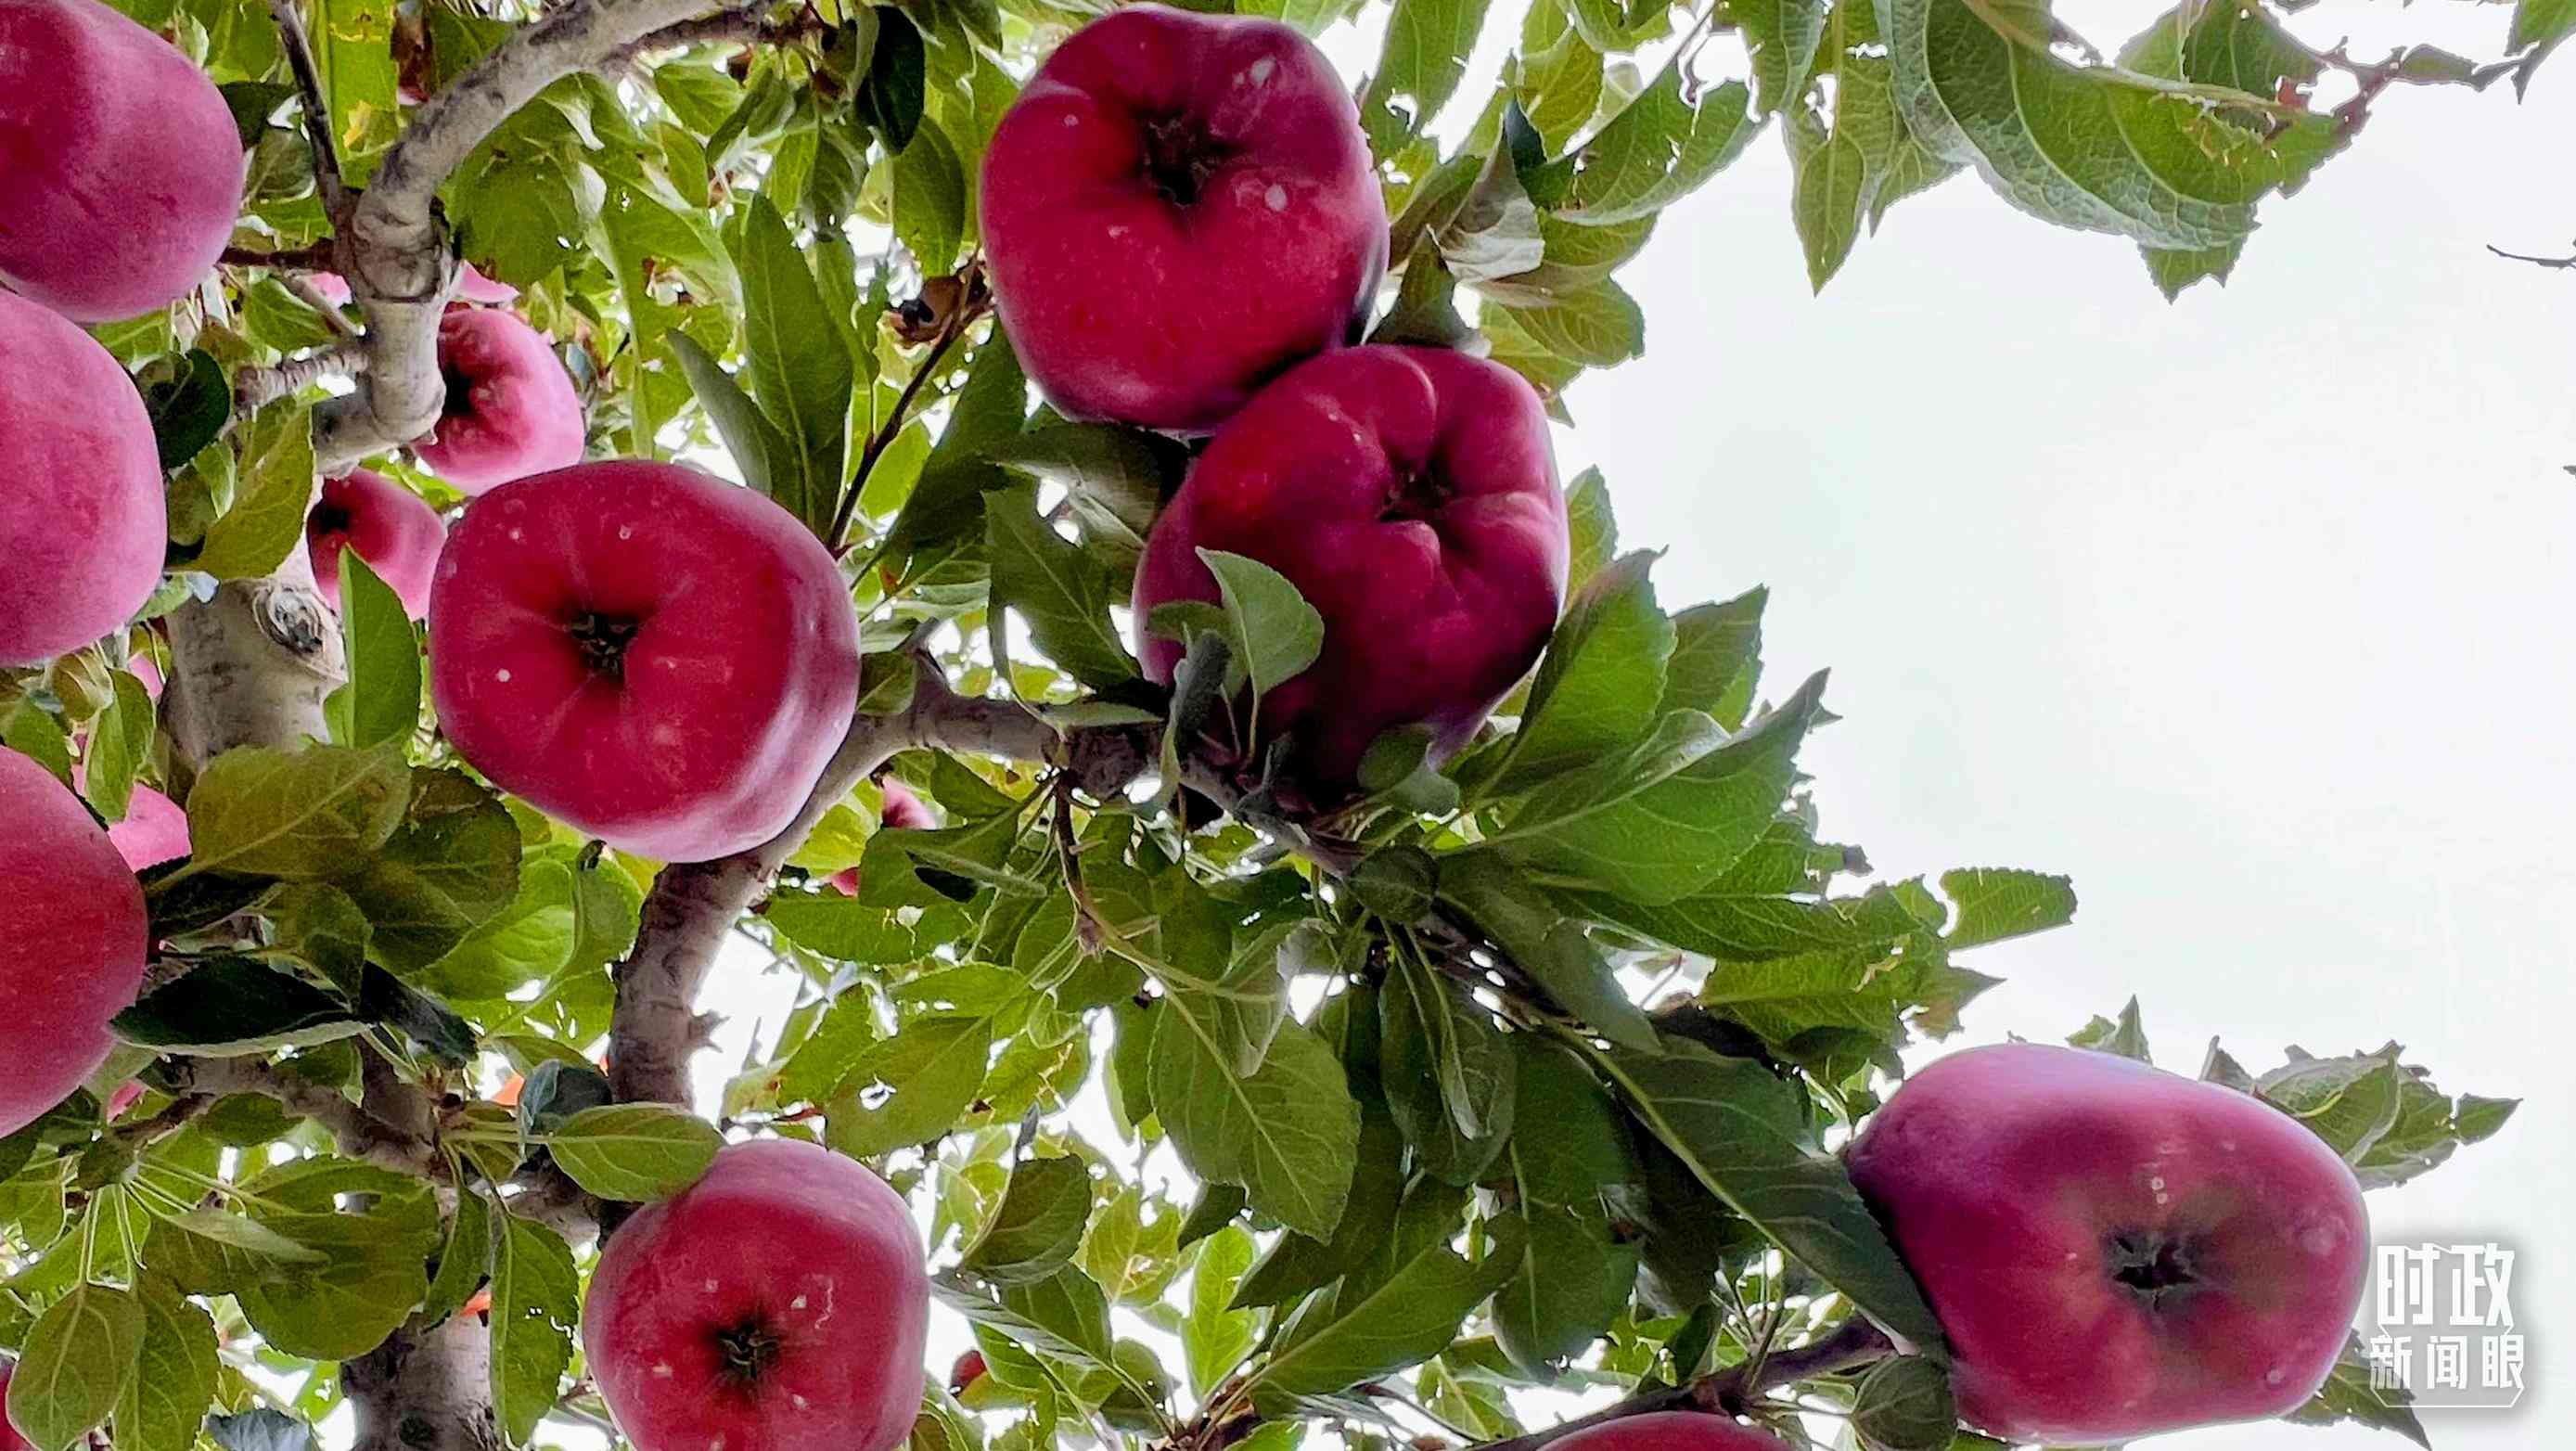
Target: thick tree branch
(741,26)
(393,245)
(1729,1391)
(256,388)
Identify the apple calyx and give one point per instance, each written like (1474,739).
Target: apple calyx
(603,640)
(749,1351)
(1417,497)
(2157,1269)
(1182,156)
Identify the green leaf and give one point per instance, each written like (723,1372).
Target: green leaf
(1783,35)
(891,100)
(1280,633)
(1830,194)
(275,487)
(464,1261)
(2168,163)
(536,1301)
(119,742)
(930,198)
(1039,1226)
(1717,658)
(1371,1330)
(635,1151)
(1061,589)
(1573,1279)
(987,416)
(2126,1038)
(188,409)
(1743,1134)
(1426,305)
(1552,949)
(1215,1339)
(83,1353)
(1656,823)
(1495,230)
(452,866)
(1297,1263)
(353,54)
(528,941)
(383,654)
(1064,1315)
(236,1007)
(1599,327)
(376,1268)
(1905,1405)
(297,815)
(1425,55)
(912,1087)
(166,1402)
(1597,684)
(770,462)
(1995,904)
(844,929)
(1658,150)
(2350,1394)
(1286,1133)
(800,369)
(1449,1073)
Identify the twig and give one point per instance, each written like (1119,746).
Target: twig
(315,258)
(958,321)
(2561,264)
(317,109)
(259,387)
(742,27)
(1727,1392)
(311,296)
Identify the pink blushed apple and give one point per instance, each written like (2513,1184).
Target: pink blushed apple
(72,915)
(471,286)
(654,656)
(903,811)
(393,529)
(511,410)
(1178,206)
(10,1440)
(82,520)
(779,1303)
(1672,1431)
(1410,495)
(120,167)
(2115,1251)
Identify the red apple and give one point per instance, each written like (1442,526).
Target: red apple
(120,165)
(144,668)
(511,410)
(778,1303)
(2115,1251)
(72,916)
(659,658)
(963,1375)
(82,523)
(1176,207)
(126,1096)
(393,529)
(1410,495)
(10,1440)
(903,812)
(1672,1431)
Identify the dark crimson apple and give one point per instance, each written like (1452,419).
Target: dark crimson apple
(1177,207)
(2115,1251)
(658,658)
(779,1304)
(963,1375)
(1410,495)
(82,523)
(903,812)
(1672,1431)
(393,529)
(511,410)
(120,166)
(72,916)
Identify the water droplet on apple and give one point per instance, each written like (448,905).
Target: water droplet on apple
(1276,197)
(1262,69)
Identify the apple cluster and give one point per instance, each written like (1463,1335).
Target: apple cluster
(1186,233)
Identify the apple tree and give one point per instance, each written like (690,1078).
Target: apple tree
(1034,525)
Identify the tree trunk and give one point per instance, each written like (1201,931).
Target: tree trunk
(425,1390)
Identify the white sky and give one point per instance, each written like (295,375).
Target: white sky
(2250,612)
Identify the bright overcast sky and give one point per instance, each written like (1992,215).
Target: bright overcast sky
(2251,612)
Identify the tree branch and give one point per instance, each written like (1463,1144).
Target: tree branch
(2560,264)
(393,247)
(256,388)
(1855,1343)
(316,106)
(740,27)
